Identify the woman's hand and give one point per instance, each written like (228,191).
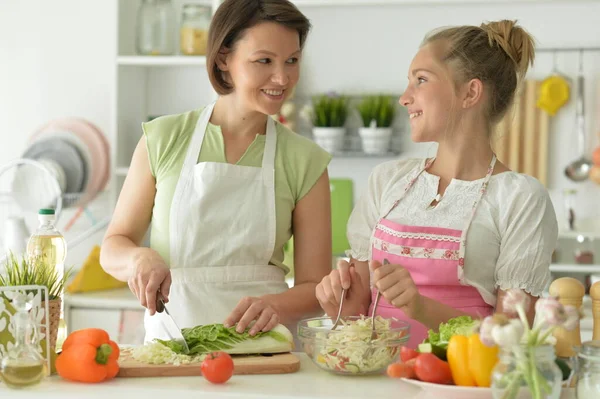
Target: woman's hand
(249,309)
(329,291)
(150,274)
(398,288)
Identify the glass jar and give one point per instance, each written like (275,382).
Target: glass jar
(193,34)
(155,28)
(588,371)
(23,366)
(527,372)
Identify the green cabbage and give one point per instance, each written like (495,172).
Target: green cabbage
(461,325)
(216,337)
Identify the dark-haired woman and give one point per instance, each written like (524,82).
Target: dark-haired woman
(224,187)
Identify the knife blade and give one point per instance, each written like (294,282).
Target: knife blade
(170,326)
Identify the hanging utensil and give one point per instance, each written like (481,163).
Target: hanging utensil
(579,170)
(554,91)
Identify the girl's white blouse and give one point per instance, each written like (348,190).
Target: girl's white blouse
(509,243)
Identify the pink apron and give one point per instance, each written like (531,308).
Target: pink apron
(434,257)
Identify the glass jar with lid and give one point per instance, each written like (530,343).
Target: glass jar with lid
(195,21)
(588,371)
(155,28)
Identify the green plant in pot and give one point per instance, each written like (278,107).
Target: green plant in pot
(20,271)
(329,113)
(377,113)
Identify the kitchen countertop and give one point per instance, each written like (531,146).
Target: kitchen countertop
(308,382)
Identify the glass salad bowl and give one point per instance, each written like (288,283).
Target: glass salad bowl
(349,349)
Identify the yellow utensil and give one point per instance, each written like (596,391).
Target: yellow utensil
(554,93)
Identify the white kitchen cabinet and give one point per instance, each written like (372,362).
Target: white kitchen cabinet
(116,311)
(106,319)
(149,86)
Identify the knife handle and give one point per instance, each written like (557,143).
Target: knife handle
(160,305)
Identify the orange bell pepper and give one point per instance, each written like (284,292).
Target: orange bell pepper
(471,362)
(88,355)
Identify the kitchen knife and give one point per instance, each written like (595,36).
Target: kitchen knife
(170,326)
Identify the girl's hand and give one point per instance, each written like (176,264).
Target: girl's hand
(329,291)
(397,287)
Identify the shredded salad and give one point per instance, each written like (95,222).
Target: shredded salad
(157,353)
(350,349)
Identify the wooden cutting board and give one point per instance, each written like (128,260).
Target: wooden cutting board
(281,363)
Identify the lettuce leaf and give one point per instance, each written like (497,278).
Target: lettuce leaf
(461,325)
(216,337)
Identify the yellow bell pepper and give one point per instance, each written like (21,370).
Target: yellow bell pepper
(471,362)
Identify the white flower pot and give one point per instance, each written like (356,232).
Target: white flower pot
(375,140)
(331,139)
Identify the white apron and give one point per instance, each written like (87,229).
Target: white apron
(222,236)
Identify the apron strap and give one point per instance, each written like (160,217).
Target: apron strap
(268,161)
(463,238)
(426,166)
(268,172)
(191,158)
(186,175)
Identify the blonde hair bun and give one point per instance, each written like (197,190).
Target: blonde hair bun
(514,40)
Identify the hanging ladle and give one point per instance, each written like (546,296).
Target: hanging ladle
(579,170)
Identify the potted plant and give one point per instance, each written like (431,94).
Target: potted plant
(377,113)
(22,272)
(329,112)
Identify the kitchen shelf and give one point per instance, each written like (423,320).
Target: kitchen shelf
(123,170)
(574,268)
(150,61)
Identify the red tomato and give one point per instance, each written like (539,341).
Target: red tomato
(217,367)
(430,368)
(407,353)
(401,370)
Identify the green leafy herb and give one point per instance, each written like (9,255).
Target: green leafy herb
(329,110)
(216,337)
(25,272)
(379,108)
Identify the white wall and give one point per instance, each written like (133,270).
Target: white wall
(370,49)
(56,59)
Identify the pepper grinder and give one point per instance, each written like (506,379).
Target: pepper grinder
(595,294)
(569,291)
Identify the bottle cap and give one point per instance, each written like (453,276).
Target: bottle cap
(46,211)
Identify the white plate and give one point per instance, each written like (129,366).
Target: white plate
(451,391)
(97,145)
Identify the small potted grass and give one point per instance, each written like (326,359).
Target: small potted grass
(329,113)
(377,113)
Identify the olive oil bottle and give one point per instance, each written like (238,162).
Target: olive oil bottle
(47,244)
(23,366)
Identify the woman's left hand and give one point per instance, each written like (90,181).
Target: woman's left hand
(397,287)
(252,308)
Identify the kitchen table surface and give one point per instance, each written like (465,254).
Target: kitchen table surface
(308,382)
